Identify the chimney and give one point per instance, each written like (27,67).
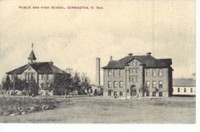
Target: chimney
(111,58)
(98,83)
(130,54)
(51,62)
(148,53)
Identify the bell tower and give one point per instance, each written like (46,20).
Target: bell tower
(31,57)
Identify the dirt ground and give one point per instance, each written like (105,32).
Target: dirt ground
(109,110)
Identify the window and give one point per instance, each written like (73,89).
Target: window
(147,72)
(136,78)
(127,90)
(109,73)
(160,72)
(130,78)
(154,94)
(130,71)
(133,71)
(133,78)
(109,84)
(154,72)
(120,84)
(42,76)
(120,72)
(12,76)
(160,94)
(121,93)
(154,84)
(115,73)
(191,90)
(109,92)
(31,76)
(115,93)
(147,94)
(147,84)
(185,90)
(115,84)
(160,84)
(26,76)
(42,85)
(178,90)
(47,76)
(95,91)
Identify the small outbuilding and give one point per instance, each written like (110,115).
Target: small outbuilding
(184,87)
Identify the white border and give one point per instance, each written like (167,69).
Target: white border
(119,127)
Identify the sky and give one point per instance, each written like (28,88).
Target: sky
(73,38)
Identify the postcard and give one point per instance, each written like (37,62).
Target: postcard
(84,61)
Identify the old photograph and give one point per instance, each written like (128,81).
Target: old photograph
(84,61)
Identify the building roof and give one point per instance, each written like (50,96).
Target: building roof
(184,82)
(39,67)
(32,56)
(146,60)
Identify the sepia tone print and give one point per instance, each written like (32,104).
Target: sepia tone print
(97,61)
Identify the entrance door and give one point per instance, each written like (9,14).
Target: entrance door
(133,90)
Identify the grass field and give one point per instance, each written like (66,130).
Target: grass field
(110,110)
(14,102)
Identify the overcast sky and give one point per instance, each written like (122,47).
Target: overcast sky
(74,38)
